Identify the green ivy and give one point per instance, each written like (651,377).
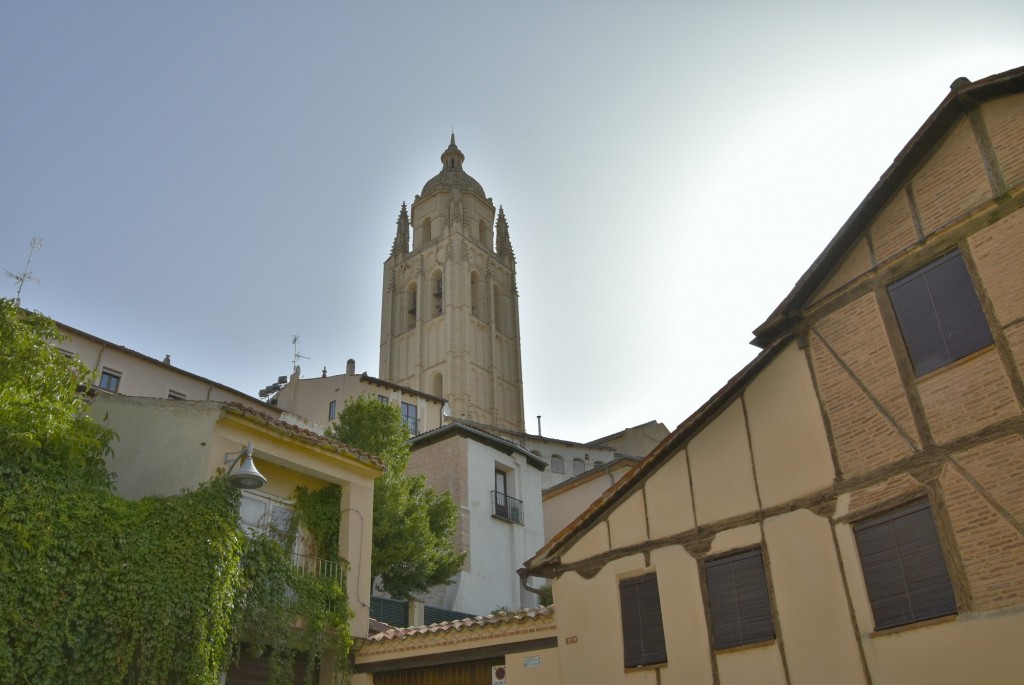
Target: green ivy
(97,589)
(320,513)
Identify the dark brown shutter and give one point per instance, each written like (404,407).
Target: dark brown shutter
(643,636)
(741,612)
(939,313)
(904,570)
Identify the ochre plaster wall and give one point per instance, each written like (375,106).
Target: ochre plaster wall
(720,463)
(791,451)
(671,496)
(628,523)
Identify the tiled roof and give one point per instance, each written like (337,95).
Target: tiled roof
(499,620)
(302,433)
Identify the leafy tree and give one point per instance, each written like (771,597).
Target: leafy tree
(413,525)
(43,422)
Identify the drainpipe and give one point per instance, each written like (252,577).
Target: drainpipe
(524,575)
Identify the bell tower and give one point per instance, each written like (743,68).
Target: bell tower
(450,307)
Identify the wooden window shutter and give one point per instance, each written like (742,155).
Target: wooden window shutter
(939,313)
(741,611)
(643,636)
(904,569)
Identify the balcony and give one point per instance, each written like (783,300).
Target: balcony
(323,568)
(507,508)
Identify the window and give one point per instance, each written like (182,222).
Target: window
(505,506)
(904,570)
(383,399)
(741,612)
(409,416)
(332,410)
(557,464)
(643,637)
(262,514)
(939,314)
(175,395)
(110,380)
(578,467)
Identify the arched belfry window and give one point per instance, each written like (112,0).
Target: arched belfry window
(410,306)
(437,386)
(436,294)
(474,294)
(427,231)
(481,231)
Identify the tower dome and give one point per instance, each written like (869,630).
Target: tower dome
(452,175)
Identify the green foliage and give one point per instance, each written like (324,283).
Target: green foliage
(547,596)
(274,593)
(413,525)
(96,589)
(43,424)
(101,590)
(320,513)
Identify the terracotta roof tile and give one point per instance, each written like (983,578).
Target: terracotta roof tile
(304,433)
(499,619)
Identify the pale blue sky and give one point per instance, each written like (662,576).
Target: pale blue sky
(210,178)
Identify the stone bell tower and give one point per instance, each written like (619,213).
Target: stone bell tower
(450,308)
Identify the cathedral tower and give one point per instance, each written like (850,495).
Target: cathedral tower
(450,312)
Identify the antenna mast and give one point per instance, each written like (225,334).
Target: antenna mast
(296,356)
(25,274)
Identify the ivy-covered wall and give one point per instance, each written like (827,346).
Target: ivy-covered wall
(96,589)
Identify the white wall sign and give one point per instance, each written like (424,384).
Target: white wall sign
(531,661)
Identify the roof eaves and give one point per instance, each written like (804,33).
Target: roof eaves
(303,434)
(545,562)
(495,441)
(962,97)
(401,388)
(157,362)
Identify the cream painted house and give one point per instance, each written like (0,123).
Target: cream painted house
(568,459)
(319,400)
(120,370)
(165,445)
(849,508)
(567,500)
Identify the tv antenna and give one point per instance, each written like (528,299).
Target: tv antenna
(296,356)
(25,274)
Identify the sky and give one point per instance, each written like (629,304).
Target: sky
(210,179)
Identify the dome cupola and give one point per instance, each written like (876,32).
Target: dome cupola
(452,175)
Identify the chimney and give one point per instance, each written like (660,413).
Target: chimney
(538,426)
(350,367)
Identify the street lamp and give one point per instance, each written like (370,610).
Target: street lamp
(247,477)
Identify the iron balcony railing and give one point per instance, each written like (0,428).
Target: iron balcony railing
(505,507)
(314,566)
